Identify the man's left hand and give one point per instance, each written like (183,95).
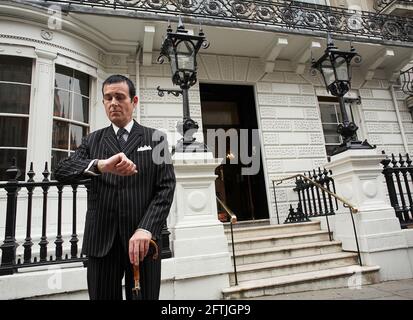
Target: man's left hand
(138,246)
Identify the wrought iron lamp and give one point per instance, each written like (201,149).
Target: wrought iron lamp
(335,68)
(181,48)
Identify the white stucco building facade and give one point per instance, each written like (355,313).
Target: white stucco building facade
(57,42)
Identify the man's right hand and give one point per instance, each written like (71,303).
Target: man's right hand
(119,164)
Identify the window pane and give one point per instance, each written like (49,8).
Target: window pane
(330,129)
(60,135)
(340,118)
(81,83)
(57,156)
(15,69)
(76,135)
(328,113)
(14,98)
(6,156)
(62,105)
(13,131)
(81,108)
(63,77)
(332,139)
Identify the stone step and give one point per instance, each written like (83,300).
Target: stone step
(278,240)
(285,252)
(267,230)
(291,266)
(247,223)
(342,277)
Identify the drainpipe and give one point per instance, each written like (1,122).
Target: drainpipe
(399,120)
(137,82)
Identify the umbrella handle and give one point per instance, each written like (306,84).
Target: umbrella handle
(156,254)
(136,275)
(137,287)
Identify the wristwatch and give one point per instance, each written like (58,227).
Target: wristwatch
(94,168)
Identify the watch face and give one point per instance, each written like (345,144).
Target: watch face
(95,166)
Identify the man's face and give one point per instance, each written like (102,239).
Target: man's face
(118,104)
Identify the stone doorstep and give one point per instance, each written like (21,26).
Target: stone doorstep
(252,227)
(281,236)
(298,278)
(247,224)
(275,241)
(242,233)
(279,249)
(293,265)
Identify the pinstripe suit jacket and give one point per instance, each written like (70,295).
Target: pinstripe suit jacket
(121,203)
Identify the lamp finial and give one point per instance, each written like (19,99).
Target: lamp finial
(181,27)
(330,42)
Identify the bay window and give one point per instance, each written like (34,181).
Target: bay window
(15,93)
(70,112)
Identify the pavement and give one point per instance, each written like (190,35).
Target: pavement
(388,290)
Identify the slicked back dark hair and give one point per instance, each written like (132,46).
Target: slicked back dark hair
(117,78)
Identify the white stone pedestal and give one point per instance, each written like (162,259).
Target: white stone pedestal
(201,261)
(358,178)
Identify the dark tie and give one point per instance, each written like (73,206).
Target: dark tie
(121,139)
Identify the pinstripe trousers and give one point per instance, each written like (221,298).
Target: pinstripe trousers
(104,275)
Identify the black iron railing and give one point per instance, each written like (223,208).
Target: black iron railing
(398,174)
(312,201)
(326,193)
(277,15)
(296,216)
(232,220)
(380,5)
(406,78)
(10,261)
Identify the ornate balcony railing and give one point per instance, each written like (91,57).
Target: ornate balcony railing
(275,15)
(380,5)
(406,78)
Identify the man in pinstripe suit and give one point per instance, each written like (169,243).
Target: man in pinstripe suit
(130,196)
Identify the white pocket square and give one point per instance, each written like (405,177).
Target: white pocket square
(144,148)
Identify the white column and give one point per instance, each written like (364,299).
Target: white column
(358,178)
(41,113)
(201,261)
(99,117)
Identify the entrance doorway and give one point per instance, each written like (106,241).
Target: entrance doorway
(233,107)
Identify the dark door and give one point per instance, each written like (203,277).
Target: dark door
(232,107)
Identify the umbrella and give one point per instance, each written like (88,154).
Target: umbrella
(136,294)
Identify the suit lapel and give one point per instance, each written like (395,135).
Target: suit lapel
(110,141)
(135,138)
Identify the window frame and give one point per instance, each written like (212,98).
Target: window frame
(21,115)
(70,121)
(326,100)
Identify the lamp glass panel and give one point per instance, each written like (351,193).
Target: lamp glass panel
(173,60)
(186,56)
(341,68)
(328,72)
